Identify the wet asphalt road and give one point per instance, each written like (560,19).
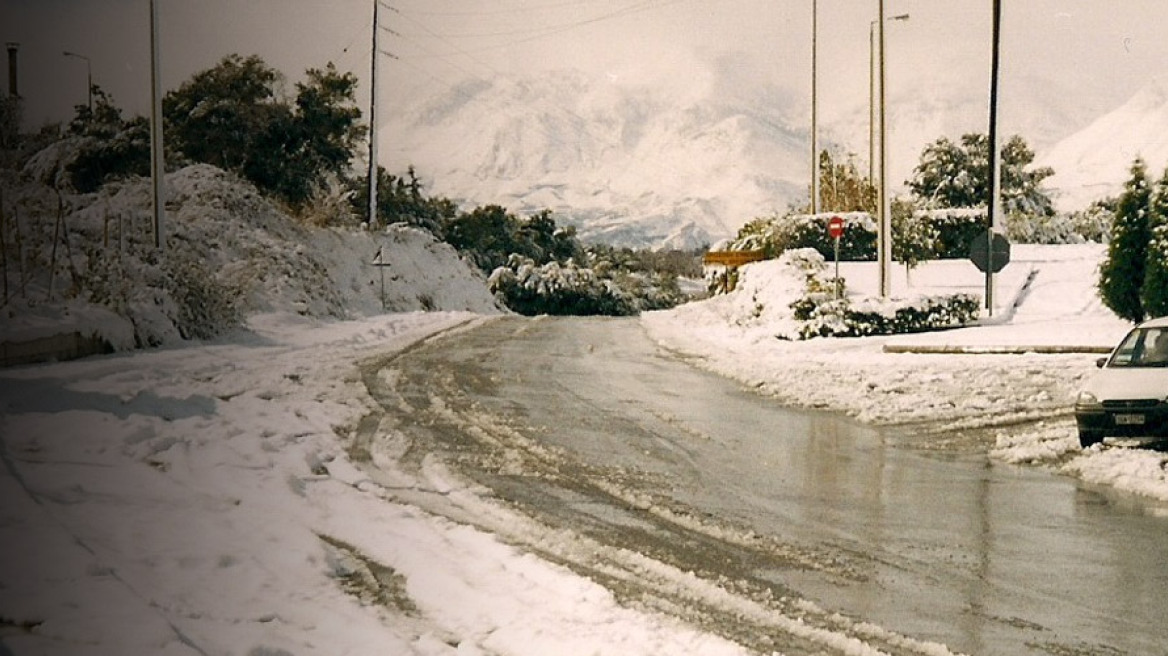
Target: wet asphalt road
(587,425)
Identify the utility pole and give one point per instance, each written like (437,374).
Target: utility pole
(157,161)
(872,96)
(885,232)
(373,121)
(995,199)
(814,108)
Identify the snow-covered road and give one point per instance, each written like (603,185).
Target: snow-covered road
(613,446)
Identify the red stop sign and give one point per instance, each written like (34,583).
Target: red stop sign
(835,227)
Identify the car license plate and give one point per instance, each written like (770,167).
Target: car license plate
(1129,420)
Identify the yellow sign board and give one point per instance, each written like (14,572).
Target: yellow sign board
(732,258)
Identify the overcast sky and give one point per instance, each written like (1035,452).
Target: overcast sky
(1100,51)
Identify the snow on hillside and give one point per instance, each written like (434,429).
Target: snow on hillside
(230,254)
(1095,162)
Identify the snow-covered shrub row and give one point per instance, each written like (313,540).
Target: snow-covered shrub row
(933,234)
(558,289)
(819,313)
(570,289)
(778,234)
(824,316)
(794,298)
(953,230)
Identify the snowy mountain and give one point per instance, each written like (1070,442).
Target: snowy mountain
(627,164)
(1095,162)
(675,163)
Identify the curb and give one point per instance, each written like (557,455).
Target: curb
(943,349)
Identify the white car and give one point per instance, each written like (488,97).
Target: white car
(1128,396)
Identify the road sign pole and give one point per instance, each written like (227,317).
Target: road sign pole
(835,230)
(838,291)
(989,280)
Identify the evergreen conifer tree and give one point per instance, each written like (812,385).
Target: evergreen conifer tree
(1154,293)
(1121,275)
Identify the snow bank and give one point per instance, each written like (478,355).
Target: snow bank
(1016,407)
(230,254)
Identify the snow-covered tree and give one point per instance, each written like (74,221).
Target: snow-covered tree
(11,114)
(957,175)
(110,147)
(842,188)
(1121,275)
(231,116)
(1154,292)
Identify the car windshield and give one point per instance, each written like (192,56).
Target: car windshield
(1143,347)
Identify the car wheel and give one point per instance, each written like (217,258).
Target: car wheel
(1088,438)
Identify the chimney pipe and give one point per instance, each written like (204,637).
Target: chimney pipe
(13,89)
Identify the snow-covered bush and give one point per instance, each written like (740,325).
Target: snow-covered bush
(558,289)
(954,230)
(875,316)
(821,314)
(1094,223)
(779,234)
(1054,229)
(329,204)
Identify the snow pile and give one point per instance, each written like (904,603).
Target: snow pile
(762,297)
(230,253)
(792,297)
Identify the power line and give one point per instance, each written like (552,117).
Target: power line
(524,9)
(547,31)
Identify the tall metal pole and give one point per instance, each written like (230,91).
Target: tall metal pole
(814,108)
(995,187)
(885,234)
(872,102)
(373,122)
(157,163)
(872,96)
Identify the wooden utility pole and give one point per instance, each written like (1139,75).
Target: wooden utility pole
(373,121)
(157,160)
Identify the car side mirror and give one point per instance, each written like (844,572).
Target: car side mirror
(1100,362)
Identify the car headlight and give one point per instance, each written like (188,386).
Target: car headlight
(1087,398)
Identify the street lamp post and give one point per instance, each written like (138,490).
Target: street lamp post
(88,78)
(885,201)
(872,95)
